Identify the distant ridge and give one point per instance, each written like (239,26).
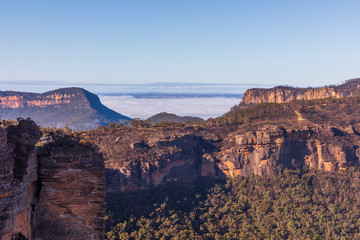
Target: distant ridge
(175,95)
(169,117)
(76,108)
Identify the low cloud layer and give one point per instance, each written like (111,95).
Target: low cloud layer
(144,107)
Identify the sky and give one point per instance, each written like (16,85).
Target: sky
(296,43)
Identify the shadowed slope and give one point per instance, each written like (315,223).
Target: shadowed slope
(72,107)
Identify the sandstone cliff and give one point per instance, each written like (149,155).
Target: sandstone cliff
(71,201)
(261,139)
(271,149)
(52,189)
(288,94)
(146,157)
(72,107)
(18,180)
(137,159)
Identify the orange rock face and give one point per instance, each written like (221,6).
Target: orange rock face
(19,101)
(18,194)
(75,108)
(138,159)
(287,94)
(71,202)
(271,149)
(142,158)
(64,201)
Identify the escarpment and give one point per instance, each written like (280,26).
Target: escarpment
(272,149)
(53,188)
(283,94)
(262,139)
(18,180)
(73,190)
(67,107)
(142,158)
(67,96)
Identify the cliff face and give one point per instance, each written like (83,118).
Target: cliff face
(72,107)
(76,97)
(142,158)
(272,149)
(73,190)
(52,191)
(19,101)
(18,180)
(137,159)
(288,94)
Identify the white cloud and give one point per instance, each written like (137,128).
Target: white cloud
(147,107)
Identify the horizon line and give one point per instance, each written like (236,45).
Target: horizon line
(50,82)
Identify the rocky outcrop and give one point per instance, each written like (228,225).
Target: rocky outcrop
(169,117)
(72,107)
(19,101)
(71,201)
(76,97)
(53,189)
(18,180)
(288,94)
(143,158)
(273,149)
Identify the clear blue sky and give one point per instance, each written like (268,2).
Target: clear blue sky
(301,43)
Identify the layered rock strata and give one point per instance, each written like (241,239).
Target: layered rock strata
(18,180)
(74,96)
(71,201)
(273,149)
(52,191)
(142,158)
(137,159)
(288,94)
(67,107)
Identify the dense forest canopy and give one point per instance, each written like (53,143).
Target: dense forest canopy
(301,204)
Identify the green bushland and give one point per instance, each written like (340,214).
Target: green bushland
(320,111)
(299,204)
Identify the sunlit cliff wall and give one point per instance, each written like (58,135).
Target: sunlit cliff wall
(55,99)
(53,189)
(18,180)
(283,95)
(288,94)
(143,158)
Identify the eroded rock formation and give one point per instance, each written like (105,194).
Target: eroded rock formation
(272,149)
(288,94)
(53,189)
(18,180)
(56,98)
(71,107)
(147,157)
(137,159)
(73,190)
